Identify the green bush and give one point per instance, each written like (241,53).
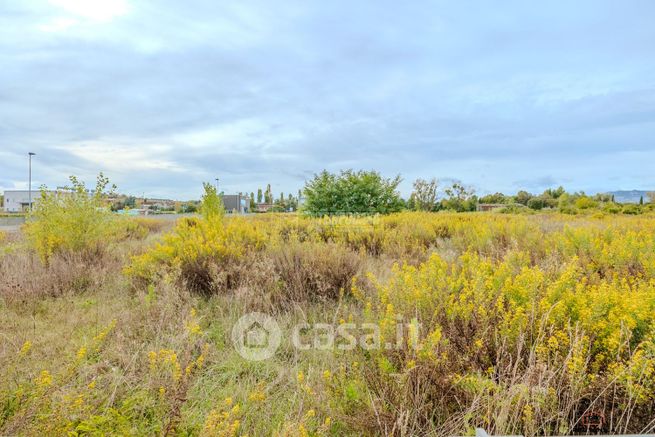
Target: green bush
(350,192)
(73,220)
(632,209)
(612,208)
(585,202)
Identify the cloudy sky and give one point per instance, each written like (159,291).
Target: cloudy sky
(162,95)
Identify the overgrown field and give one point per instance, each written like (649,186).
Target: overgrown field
(529,325)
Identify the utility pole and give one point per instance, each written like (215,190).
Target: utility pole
(30,154)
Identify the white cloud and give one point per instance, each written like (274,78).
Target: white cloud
(107,156)
(242,136)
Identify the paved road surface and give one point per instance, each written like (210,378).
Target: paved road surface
(9,228)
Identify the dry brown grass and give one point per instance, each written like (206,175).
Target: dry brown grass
(315,271)
(23,277)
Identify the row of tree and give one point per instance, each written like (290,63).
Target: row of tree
(280,203)
(366,192)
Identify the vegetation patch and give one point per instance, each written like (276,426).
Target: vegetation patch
(518,323)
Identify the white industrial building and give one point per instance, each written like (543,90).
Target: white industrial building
(19,200)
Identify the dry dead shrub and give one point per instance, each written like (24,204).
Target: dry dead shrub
(315,271)
(24,277)
(206,276)
(155,225)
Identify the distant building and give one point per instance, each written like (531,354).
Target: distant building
(158,204)
(19,200)
(236,203)
(490,206)
(484,207)
(264,207)
(133,212)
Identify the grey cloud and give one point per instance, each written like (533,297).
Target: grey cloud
(255,94)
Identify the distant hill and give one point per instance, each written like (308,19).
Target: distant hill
(631,196)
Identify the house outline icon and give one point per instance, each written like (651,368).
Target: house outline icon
(256,336)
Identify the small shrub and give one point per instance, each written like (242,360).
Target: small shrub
(71,221)
(611,208)
(65,272)
(536,203)
(315,271)
(205,255)
(212,206)
(585,202)
(140,227)
(632,209)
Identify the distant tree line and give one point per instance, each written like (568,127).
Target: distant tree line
(280,203)
(367,192)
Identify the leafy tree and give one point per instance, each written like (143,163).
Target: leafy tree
(494,198)
(641,200)
(75,220)
(603,197)
(536,203)
(259,195)
(212,205)
(551,197)
(424,196)
(632,209)
(459,198)
(253,205)
(268,195)
(350,192)
(189,207)
(523,197)
(292,202)
(566,203)
(555,193)
(611,208)
(279,205)
(585,202)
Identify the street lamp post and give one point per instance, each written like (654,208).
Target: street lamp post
(30,182)
(216,185)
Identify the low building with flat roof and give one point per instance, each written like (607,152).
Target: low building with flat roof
(236,203)
(19,200)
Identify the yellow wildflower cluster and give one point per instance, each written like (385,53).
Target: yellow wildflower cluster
(199,362)
(257,396)
(25,349)
(99,339)
(44,379)
(192,326)
(223,421)
(165,360)
(196,242)
(573,297)
(486,307)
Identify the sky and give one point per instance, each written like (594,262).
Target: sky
(161,95)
